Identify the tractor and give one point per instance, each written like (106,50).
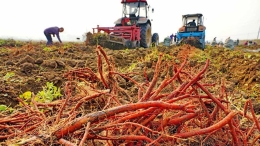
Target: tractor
(192,31)
(134,28)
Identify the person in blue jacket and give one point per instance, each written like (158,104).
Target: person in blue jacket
(52,31)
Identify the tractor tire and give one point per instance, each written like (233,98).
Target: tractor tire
(129,44)
(202,47)
(146,35)
(136,44)
(155,39)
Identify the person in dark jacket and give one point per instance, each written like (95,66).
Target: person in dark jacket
(52,31)
(171,37)
(175,38)
(192,23)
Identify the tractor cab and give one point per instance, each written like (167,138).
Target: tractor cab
(133,12)
(192,31)
(192,23)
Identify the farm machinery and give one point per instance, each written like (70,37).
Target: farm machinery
(192,31)
(133,29)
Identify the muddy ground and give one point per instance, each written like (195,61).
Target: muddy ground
(27,66)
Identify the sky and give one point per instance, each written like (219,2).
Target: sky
(27,19)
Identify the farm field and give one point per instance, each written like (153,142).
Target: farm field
(253,40)
(178,95)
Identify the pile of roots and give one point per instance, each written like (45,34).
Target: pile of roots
(95,110)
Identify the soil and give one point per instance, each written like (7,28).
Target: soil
(27,66)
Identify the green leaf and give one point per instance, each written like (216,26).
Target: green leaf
(3,107)
(26,95)
(9,75)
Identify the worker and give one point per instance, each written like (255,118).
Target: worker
(175,38)
(227,39)
(192,23)
(52,31)
(171,36)
(215,39)
(214,42)
(246,43)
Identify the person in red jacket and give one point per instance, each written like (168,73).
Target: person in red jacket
(52,31)
(246,43)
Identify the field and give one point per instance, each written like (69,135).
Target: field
(176,95)
(254,40)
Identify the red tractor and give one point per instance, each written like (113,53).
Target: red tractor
(134,28)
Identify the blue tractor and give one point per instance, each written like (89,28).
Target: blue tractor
(192,31)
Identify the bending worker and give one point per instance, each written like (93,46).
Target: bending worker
(52,31)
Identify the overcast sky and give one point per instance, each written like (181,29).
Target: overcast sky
(26,19)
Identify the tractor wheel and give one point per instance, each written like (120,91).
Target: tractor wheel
(155,39)
(129,44)
(137,44)
(146,35)
(203,45)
